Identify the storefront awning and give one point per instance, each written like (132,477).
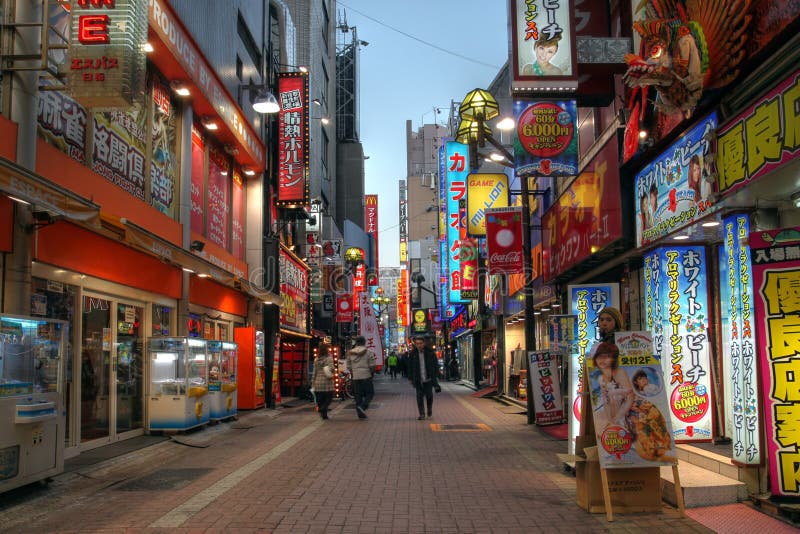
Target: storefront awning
(43,195)
(146,241)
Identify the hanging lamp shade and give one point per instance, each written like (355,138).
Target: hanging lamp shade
(354,255)
(468,130)
(479,104)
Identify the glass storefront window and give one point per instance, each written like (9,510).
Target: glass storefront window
(162,319)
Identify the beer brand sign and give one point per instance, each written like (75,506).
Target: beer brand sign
(106,52)
(504,240)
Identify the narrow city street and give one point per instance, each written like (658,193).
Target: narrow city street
(286,470)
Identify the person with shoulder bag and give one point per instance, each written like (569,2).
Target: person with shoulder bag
(423,371)
(361,364)
(322,380)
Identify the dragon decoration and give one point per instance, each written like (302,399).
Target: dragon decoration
(688,46)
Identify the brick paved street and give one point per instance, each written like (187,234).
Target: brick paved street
(295,473)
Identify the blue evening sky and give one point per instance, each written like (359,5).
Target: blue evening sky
(404,79)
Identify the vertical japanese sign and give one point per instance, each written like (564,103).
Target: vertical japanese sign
(164,151)
(293,139)
(359,283)
(403,223)
(586,301)
(368,327)
(676,312)
(119,146)
(776,279)
(456,169)
(469,268)
(629,403)
(106,52)
(761,139)
(237,217)
(546,389)
(218,207)
(677,187)
(738,340)
(542,45)
(504,240)
(546,138)
(484,191)
(371,223)
(562,332)
(402,298)
(294,293)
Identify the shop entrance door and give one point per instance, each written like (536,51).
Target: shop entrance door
(111,370)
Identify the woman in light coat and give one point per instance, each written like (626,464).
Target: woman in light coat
(322,380)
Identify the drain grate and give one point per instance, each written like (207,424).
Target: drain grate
(166,479)
(477,427)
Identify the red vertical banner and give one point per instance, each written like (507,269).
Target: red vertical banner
(402,298)
(218,211)
(359,283)
(504,240)
(237,218)
(293,139)
(344,309)
(371,223)
(198,183)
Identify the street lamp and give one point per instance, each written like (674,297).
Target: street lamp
(478,107)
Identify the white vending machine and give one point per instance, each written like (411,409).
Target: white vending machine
(177,397)
(32,417)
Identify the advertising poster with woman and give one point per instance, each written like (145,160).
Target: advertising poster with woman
(629,403)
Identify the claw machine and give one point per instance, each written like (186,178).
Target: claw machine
(177,397)
(251,375)
(222,379)
(32,415)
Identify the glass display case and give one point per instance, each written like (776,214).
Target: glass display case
(222,369)
(251,376)
(32,418)
(178,383)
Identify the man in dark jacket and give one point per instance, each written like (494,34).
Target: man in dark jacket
(423,370)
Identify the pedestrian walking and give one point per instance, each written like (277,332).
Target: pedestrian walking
(403,364)
(361,363)
(322,380)
(392,362)
(423,372)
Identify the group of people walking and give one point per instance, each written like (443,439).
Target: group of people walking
(420,367)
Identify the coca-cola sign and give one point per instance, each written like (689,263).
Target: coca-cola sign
(504,240)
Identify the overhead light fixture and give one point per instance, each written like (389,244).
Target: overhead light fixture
(203,275)
(796,199)
(555,305)
(506,123)
(642,134)
(680,237)
(266,102)
(710,224)
(16,199)
(188,270)
(496,156)
(147,47)
(249,172)
(180,88)
(302,68)
(316,101)
(209,123)
(224,172)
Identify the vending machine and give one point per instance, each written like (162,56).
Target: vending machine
(32,385)
(252,375)
(222,379)
(178,384)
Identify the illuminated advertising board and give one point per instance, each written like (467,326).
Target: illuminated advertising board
(776,277)
(586,301)
(484,191)
(403,224)
(542,40)
(456,158)
(676,188)
(677,314)
(106,52)
(546,138)
(371,224)
(293,292)
(293,139)
(738,340)
(403,318)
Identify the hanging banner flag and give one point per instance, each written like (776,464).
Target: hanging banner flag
(484,191)
(359,283)
(776,277)
(586,301)
(293,139)
(629,403)
(504,240)
(344,309)
(368,327)
(546,138)
(738,341)
(676,312)
(546,389)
